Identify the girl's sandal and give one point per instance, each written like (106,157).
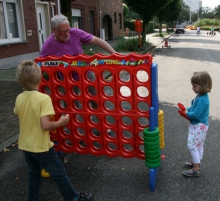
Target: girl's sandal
(188,165)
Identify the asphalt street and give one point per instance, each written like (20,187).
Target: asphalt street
(120,179)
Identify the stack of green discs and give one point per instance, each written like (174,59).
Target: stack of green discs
(152,148)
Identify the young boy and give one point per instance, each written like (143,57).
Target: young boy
(34,110)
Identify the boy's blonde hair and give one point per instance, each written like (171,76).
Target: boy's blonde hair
(28,74)
(204,80)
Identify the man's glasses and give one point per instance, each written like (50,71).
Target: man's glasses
(63,32)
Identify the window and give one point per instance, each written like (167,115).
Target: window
(120,20)
(52,10)
(115,18)
(76,18)
(92,21)
(10,24)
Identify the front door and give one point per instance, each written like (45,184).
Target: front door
(41,24)
(107,25)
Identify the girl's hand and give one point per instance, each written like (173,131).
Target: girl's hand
(181,106)
(183,114)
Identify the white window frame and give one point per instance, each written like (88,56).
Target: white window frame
(52,5)
(19,16)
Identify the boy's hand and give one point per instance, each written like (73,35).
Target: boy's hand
(47,124)
(64,119)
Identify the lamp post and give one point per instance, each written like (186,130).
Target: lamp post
(189,4)
(190,14)
(153,24)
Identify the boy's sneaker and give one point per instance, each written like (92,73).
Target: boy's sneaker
(85,197)
(188,165)
(192,173)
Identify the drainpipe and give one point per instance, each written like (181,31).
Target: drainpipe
(58,6)
(100,19)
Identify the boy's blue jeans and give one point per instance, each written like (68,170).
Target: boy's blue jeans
(52,164)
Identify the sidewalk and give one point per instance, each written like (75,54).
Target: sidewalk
(151,38)
(10,88)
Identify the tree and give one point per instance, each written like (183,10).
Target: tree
(217,12)
(209,13)
(194,16)
(169,13)
(65,6)
(206,12)
(125,11)
(184,13)
(147,9)
(129,14)
(172,18)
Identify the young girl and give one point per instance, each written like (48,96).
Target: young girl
(198,115)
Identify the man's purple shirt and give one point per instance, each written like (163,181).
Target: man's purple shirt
(71,47)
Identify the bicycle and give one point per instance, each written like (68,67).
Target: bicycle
(198,32)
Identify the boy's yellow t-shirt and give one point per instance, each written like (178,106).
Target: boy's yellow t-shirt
(30,106)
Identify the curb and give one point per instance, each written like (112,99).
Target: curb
(154,47)
(149,50)
(7,142)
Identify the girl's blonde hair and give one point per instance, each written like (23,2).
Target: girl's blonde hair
(204,80)
(28,74)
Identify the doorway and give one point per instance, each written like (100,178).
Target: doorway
(41,25)
(107,25)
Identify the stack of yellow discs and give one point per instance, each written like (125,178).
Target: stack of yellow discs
(161,128)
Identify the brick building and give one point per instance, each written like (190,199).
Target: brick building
(112,18)
(93,15)
(25,25)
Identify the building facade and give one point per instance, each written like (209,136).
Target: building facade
(101,18)
(85,15)
(194,5)
(111,15)
(25,24)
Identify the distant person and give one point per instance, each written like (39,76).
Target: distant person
(198,114)
(212,31)
(127,31)
(67,40)
(198,30)
(34,110)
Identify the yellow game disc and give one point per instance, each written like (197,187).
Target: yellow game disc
(44,173)
(160,113)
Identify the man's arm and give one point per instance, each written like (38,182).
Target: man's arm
(103,44)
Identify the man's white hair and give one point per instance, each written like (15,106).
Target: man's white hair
(58,19)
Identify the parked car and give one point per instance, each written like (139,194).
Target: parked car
(179,30)
(193,27)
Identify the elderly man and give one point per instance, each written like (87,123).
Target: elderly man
(66,40)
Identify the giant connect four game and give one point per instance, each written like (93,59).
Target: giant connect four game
(108,99)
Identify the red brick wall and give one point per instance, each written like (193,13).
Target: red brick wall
(109,7)
(85,6)
(30,22)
